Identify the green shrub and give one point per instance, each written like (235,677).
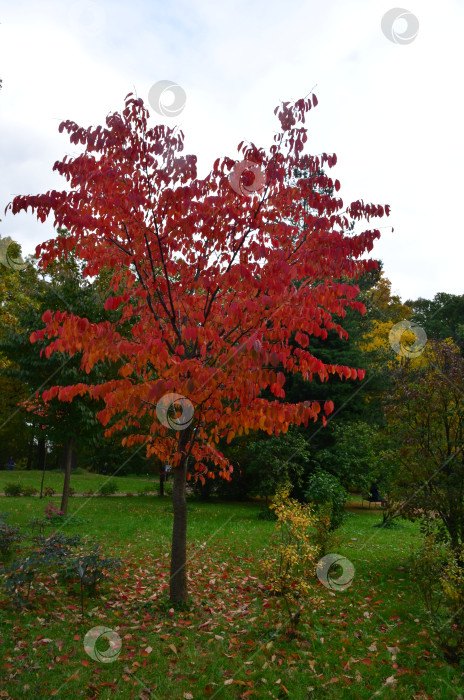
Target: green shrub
(20,577)
(149,488)
(13,489)
(73,521)
(428,564)
(324,537)
(38,524)
(323,488)
(29,491)
(438,572)
(108,488)
(49,491)
(56,546)
(89,570)
(9,537)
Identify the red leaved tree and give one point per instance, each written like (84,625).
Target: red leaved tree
(211,280)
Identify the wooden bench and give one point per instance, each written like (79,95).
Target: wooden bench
(369,500)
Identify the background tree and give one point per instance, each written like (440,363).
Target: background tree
(69,430)
(441,317)
(425,418)
(354,456)
(17,287)
(210,279)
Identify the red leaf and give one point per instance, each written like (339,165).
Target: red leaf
(274,359)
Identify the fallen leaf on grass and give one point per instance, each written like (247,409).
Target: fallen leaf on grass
(332,680)
(208,622)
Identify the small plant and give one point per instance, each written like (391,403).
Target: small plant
(20,577)
(452,583)
(108,488)
(53,514)
(89,493)
(438,572)
(90,570)
(72,520)
(146,490)
(13,489)
(427,567)
(9,537)
(49,491)
(324,538)
(38,524)
(56,546)
(29,491)
(71,491)
(287,573)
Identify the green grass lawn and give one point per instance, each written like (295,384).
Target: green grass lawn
(80,482)
(368,641)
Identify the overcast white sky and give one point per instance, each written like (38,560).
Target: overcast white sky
(391,112)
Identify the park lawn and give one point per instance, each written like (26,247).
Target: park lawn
(81,482)
(370,638)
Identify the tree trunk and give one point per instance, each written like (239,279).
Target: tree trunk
(67,476)
(43,477)
(178,581)
(30,454)
(161,480)
(41,457)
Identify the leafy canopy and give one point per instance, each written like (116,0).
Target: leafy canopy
(208,283)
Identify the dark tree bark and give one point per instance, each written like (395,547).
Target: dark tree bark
(41,454)
(162,479)
(178,582)
(67,475)
(43,476)
(30,454)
